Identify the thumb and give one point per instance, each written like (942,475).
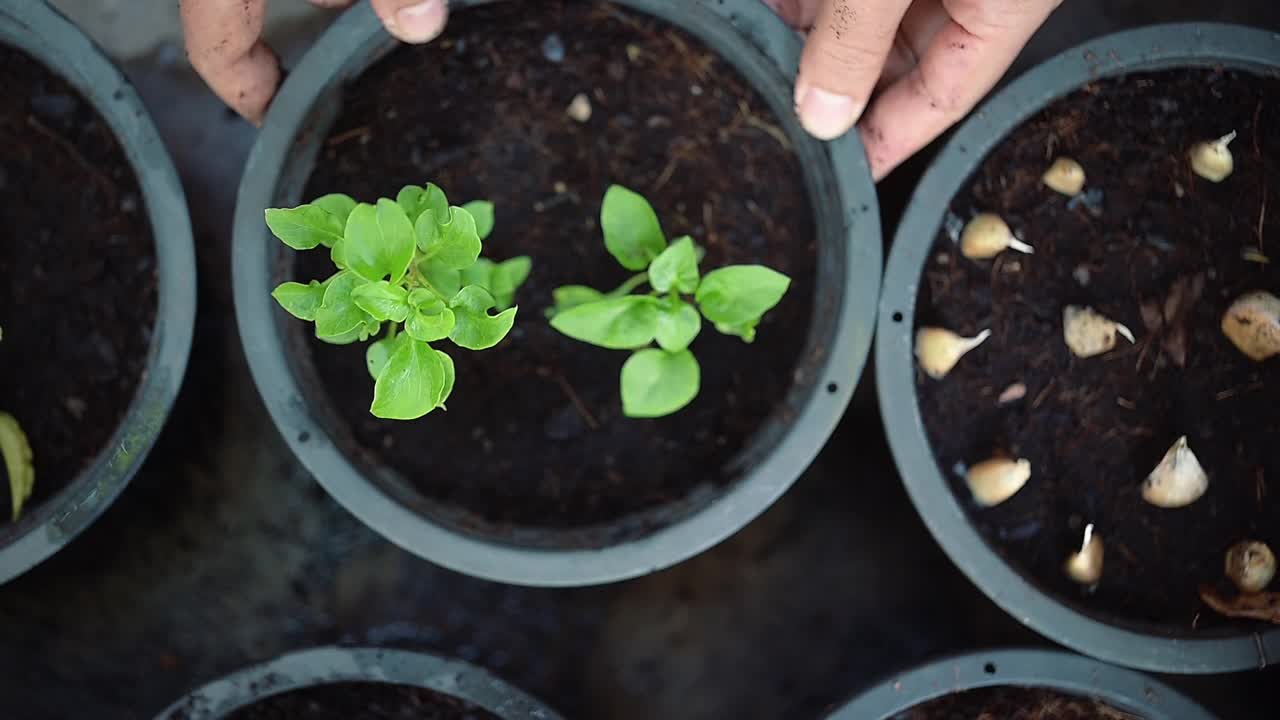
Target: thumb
(413,21)
(842,61)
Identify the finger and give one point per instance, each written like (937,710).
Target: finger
(842,60)
(332,3)
(225,47)
(413,21)
(957,69)
(923,20)
(799,14)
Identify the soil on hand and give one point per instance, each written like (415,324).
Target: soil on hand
(1008,702)
(362,701)
(77,275)
(534,435)
(1158,249)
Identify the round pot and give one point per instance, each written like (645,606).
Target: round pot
(328,665)
(839,183)
(1121,689)
(43,529)
(1154,48)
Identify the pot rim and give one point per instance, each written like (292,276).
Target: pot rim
(1049,669)
(1151,48)
(328,665)
(767,59)
(44,34)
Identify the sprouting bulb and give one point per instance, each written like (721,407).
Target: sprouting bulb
(996,480)
(1178,480)
(1065,176)
(1085,565)
(1212,159)
(1090,333)
(938,349)
(987,235)
(1252,323)
(1251,566)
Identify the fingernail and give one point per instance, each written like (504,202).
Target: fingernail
(421,22)
(824,114)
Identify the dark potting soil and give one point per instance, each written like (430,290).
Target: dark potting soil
(362,701)
(534,434)
(1094,428)
(77,275)
(1008,702)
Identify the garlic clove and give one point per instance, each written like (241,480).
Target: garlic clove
(1065,176)
(1085,566)
(987,235)
(1088,333)
(1252,323)
(1178,480)
(938,349)
(996,480)
(1251,566)
(1212,160)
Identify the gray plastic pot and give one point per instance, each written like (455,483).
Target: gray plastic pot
(329,665)
(1052,670)
(1154,48)
(39,31)
(748,35)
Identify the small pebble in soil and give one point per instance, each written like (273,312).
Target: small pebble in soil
(1065,176)
(988,235)
(580,108)
(998,479)
(1089,333)
(633,52)
(553,48)
(1082,275)
(953,226)
(938,349)
(1252,323)
(1013,393)
(1251,566)
(1212,159)
(1085,565)
(1178,480)
(1090,200)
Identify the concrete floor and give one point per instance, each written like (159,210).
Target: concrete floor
(224,552)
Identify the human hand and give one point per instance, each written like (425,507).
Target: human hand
(928,61)
(224,43)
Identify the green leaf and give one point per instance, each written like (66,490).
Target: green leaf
(429,327)
(410,383)
(422,297)
(676,267)
(379,241)
(445,282)
(620,323)
(481,273)
(678,324)
(740,294)
(507,277)
(571,296)
(383,301)
(746,331)
(304,227)
(338,254)
(631,230)
(417,200)
(337,205)
(476,329)
(446,390)
(338,315)
(18,461)
(378,353)
(454,244)
(657,383)
(300,301)
(482,211)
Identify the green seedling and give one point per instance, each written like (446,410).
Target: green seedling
(412,265)
(18,461)
(658,381)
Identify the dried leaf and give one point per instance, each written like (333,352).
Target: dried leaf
(1254,606)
